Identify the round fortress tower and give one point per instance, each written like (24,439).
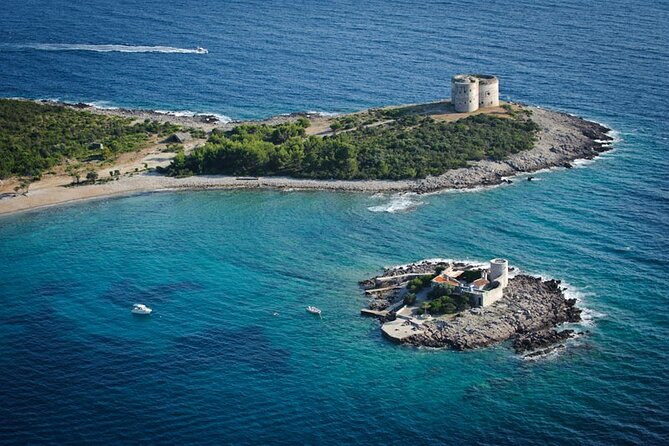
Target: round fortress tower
(488,90)
(499,271)
(465,93)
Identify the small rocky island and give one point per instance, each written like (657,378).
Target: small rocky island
(465,306)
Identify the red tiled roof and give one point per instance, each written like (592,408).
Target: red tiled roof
(446,280)
(480,283)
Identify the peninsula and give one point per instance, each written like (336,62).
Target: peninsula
(47,149)
(464,306)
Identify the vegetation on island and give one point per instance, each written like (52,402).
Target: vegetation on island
(440,300)
(444,301)
(386,144)
(35,137)
(415,285)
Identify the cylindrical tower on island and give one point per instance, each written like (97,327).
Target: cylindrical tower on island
(465,93)
(499,271)
(488,90)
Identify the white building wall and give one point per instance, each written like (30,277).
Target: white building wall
(465,93)
(488,91)
(499,271)
(492,296)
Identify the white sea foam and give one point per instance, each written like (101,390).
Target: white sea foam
(404,202)
(106,105)
(324,114)
(474,263)
(102,105)
(552,354)
(188,113)
(580,163)
(588,315)
(104,48)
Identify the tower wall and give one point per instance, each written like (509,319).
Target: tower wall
(488,90)
(499,271)
(465,93)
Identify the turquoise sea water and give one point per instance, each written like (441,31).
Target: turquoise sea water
(212,364)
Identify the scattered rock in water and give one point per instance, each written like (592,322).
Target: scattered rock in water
(540,339)
(209,119)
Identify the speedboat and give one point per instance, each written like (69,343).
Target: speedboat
(200,50)
(141,309)
(313,310)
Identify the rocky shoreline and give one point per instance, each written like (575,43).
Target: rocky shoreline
(205,121)
(563,139)
(529,315)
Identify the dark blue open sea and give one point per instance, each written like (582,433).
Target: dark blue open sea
(212,365)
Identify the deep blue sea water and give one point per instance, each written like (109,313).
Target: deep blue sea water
(212,365)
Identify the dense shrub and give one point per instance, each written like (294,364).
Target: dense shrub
(448,304)
(417,284)
(409,147)
(34,137)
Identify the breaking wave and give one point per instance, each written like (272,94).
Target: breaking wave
(324,114)
(398,203)
(187,113)
(588,315)
(103,48)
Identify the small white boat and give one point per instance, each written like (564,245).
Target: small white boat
(313,310)
(200,50)
(141,309)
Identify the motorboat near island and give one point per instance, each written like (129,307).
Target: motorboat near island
(200,50)
(141,309)
(313,310)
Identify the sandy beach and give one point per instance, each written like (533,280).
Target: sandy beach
(563,139)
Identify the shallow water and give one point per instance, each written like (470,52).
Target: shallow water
(212,364)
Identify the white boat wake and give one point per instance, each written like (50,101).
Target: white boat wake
(106,48)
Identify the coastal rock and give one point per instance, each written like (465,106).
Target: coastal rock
(208,119)
(530,305)
(540,339)
(563,138)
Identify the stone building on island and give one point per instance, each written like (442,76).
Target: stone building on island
(483,291)
(469,92)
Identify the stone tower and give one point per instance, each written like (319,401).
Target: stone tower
(488,90)
(499,271)
(469,92)
(465,93)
